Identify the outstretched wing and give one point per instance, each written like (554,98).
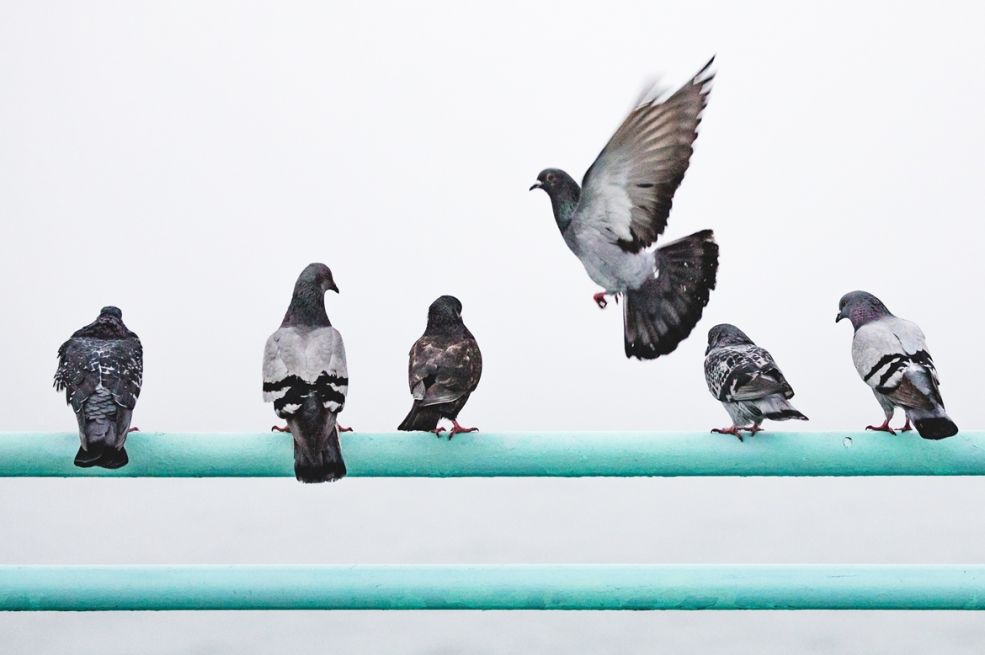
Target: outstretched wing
(735,373)
(84,364)
(628,192)
(297,364)
(443,370)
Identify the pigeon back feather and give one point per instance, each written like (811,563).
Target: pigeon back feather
(744,372)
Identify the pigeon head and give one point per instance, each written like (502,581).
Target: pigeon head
(725,334)
(563,192)
(446,310)
(553,180)
(108,325)
(307,306)
(318,276)
(861,307)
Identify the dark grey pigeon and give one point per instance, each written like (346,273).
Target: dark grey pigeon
(621,209)
(101,369)
(891,356)
(305,377)
(746,380)
(444,370)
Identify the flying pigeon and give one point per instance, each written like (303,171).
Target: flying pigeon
(100,369)
(305,376)
(445,367)
(890,354)
(746,380)
(622,207)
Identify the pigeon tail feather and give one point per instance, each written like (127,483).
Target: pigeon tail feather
(104,426)
(422,418)
(662,312)
(935,427)
(778,408)
(89,458)
(920,398)
(317,452)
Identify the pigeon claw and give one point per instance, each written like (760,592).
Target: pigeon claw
(753,429)
(458,429)
(600,300)
(733,430)
(129,430)
(906,427)
(881,428)
(342,428)
(437,431)
(277,428)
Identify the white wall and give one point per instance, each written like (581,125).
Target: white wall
(185,160)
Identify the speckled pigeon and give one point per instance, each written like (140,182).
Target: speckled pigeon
(621,209)
(305,377)
(101,369)
(891,356)
(444,369)
(746,380)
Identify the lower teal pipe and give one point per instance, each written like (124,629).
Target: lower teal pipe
(507,587)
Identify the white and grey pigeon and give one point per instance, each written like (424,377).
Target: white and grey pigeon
(746,380)
(891,356)
(100,369)
(622,207)
(305,377)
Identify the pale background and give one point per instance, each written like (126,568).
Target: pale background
(185,160)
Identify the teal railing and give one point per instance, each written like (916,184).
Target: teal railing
(501,587)
(557,454)
(511,587)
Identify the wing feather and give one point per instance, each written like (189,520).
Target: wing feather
(298,363)
(443,369)
(629,191)
(735,373)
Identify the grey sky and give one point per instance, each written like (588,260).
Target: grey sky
(186,160)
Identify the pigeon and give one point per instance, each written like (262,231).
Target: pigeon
(622,207)
(445,367)
(100,369)
(890,355)
(746,380)
(305,377)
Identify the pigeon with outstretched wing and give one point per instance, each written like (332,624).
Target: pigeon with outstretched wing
(622,208)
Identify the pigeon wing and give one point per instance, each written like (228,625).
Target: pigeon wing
(628,192)
(744,373)
(123,371)
(298,363)
(74,374)
(891,357)
(85,363)
(442,370)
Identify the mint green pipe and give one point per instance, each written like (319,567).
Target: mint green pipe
(515,454)
(509,587)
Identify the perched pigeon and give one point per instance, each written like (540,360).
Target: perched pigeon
(746,380)
(445,366)
(621,209)
(100,369)
(890,354)
(305,376)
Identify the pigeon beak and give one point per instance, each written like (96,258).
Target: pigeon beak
(333,287)
(535,185)
(839,317)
